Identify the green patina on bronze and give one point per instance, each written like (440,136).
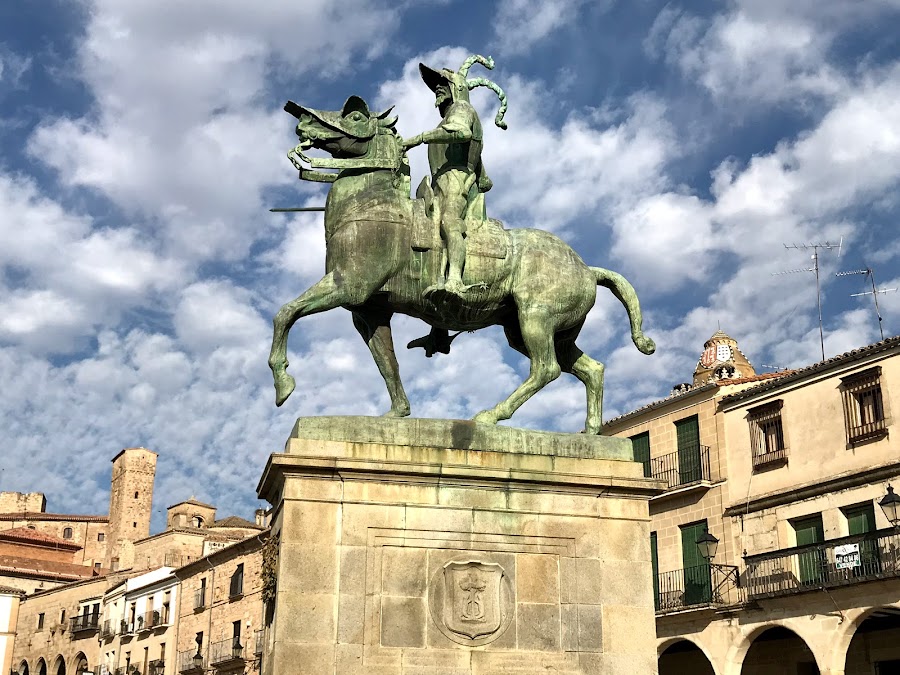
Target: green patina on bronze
(388,253)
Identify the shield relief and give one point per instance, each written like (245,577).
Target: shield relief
(472,598)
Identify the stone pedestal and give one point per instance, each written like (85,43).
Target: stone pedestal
(448,548)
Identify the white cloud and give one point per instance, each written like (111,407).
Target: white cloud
(520,24)
(760,53)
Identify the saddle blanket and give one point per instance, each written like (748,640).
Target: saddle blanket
(485,238)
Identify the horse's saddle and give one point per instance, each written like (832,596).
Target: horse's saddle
(485,237)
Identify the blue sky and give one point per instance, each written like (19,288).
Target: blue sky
(143,142)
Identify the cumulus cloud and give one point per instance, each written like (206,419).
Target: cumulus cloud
(137,281)
(763,52)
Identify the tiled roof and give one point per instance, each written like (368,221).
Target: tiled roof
(236,521)
(10,589)
(693,390)
(793,376)
(40,515)
(195,502)
(35,538)
(30,567)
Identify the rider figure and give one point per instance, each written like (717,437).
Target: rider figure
(457,172)
(454,155)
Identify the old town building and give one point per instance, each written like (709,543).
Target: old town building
(221,610)
(138,625)
(771,551)
(105,598)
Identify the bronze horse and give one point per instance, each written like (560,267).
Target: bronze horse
(383,252)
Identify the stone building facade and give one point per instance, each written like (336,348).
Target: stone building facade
(220,619)
(806,573)
(57,629)
(9,615)
(138,625)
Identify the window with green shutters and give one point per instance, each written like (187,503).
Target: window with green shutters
(811,564)
(654,562)
(861,520)
(640,444)
(697,580)
(687,435)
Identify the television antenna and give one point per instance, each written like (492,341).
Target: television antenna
(828,246)
(874,292)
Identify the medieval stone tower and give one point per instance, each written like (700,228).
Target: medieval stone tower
(130,500)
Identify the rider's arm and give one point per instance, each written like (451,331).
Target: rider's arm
(456,127)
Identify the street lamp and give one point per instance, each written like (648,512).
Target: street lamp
(197,660)
(708,546)
(890,504)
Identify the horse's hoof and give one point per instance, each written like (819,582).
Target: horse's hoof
(485,417)
(644,344)
(284,387)
(403,412)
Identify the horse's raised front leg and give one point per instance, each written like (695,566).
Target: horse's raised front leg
(374,325)
(323,295)
(538,331)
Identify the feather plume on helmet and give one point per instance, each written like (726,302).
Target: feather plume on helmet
(459,85)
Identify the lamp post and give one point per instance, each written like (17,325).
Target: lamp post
(708,545)
(890,504)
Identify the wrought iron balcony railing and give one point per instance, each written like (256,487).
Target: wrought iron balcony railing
(108,629)
(225,651)
(151,619)
(700,586)
(84,623)
(837,562)
(191,661)
(688,465)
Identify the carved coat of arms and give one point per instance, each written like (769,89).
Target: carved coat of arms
(472,598)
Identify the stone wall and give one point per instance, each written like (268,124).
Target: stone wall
(215,619)
(130,503)
(14,502)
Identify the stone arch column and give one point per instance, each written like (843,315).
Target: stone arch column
(668,642)
(817,637)
(836,657)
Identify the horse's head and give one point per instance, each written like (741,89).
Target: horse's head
(345,133)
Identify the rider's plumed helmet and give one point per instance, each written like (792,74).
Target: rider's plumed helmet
(459,86)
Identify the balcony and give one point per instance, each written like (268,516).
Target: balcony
(84,623)
(108,630)
(838,562)
(149,620)
(770,459)
(127,627)
(695,588)
(190,661)
(227,652)
(687,466)
(199,599)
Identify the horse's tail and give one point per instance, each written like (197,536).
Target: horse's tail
(626,294)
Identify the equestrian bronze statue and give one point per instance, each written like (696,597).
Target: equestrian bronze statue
(387,252)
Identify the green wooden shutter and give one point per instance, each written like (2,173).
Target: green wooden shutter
(687,435)
(810,563)
(697,581)
(640,444)
(654,562)
(861,520)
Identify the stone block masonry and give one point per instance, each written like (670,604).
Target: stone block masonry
(417,546)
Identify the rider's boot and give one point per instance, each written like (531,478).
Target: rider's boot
(438,340)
